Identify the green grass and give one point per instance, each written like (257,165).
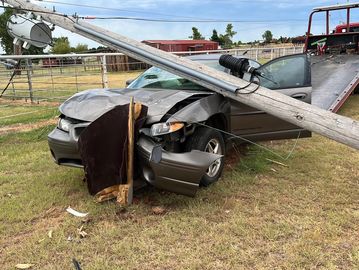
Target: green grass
(13,114)
(258,216)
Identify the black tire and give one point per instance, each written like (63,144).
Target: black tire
(201,140)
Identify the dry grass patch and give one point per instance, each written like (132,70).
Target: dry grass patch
(60,86)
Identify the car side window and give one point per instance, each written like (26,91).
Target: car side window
(286,72)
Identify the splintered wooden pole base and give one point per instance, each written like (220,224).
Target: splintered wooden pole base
(125,192)
(125,195)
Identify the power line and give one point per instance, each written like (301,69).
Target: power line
(155,20)
(192,19)
(112,9)
(186,21)
(38,11)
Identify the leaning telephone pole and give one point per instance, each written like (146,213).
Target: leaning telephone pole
(336,127)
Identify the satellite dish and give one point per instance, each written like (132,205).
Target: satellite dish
(28,30)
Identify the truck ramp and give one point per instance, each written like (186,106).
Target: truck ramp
(334,78)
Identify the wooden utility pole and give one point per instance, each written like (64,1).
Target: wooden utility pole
(17,51)
(336,127)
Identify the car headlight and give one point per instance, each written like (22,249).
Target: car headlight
(64,124)
(165,128)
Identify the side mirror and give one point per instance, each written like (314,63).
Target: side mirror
(128,82)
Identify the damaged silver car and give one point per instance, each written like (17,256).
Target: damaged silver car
(183,142)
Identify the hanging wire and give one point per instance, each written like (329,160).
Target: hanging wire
(252,142)
(38,11)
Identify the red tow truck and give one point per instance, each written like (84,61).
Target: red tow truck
(335,61)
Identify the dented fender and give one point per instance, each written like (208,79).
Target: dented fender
(176,172)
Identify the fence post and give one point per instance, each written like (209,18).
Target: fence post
(257,54)
(271,54)
(104,72)
(76,80)
(29,81)
(52,77)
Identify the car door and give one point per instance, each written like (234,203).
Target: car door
(289,75)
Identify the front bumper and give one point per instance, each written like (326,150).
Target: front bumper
(176,172)
(64,148)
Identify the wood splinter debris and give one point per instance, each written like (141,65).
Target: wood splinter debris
(277,162)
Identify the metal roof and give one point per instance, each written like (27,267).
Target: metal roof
(190,42)
(336,7)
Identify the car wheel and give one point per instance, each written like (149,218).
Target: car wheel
(211,141)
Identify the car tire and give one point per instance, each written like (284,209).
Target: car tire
(208,140)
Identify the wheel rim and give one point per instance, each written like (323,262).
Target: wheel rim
(214,147)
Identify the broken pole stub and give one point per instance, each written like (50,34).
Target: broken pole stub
(125,192)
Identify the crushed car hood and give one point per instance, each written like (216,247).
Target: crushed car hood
(91,104)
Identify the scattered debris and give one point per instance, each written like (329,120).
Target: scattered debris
(70,238)
(24,266)
(273,170)
(41,240)
(81,232)
(9,195)
(277,162)
(107,194)
(76,264)
(76,213)
(158,210)
(50,234)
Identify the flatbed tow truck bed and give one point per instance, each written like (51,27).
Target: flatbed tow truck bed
(334,78)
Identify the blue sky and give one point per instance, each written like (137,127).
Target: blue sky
(282,17)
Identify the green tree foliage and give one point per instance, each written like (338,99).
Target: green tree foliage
(80,48)
(61,45)
(215,36)
(267,36)
(225,40)
(229,31)
(196,34)
(7,40)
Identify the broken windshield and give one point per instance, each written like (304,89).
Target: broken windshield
(157,78)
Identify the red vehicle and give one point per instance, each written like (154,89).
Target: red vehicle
(343,28)
(335,58)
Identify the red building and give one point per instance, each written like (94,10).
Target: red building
(182,45)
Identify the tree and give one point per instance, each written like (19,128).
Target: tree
(61,45)
(196,34)
(229,31)
(215,36)
(80,48)
(267,36)
(226,39)
(7,40)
